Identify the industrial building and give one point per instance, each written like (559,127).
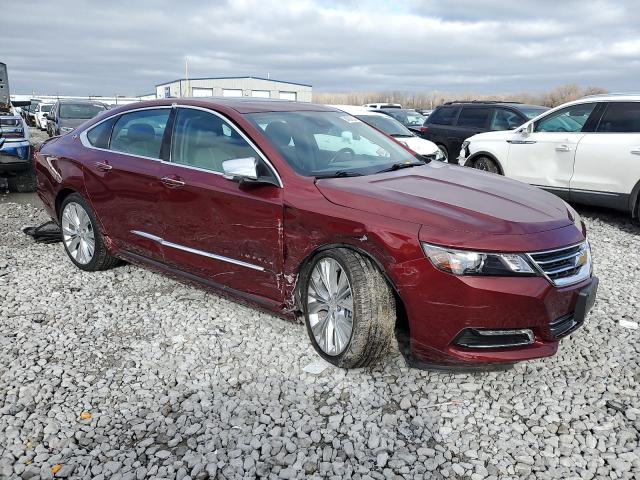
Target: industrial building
(234,87)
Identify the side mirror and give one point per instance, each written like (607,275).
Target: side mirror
(241,169)
(526,129)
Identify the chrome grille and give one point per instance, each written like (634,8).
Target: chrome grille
(564,266)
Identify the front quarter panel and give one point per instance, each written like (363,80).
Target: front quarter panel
(492,144)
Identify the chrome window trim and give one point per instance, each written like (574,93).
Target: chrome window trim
(184,248)
(245,137)
(85,141)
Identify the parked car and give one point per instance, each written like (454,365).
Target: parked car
(382,105)
(426,149)
(239,195)
(30,114)
(406,116)
(42,110)
(424,112)
(66,115)
(15,150)
(586,151)
(452,123)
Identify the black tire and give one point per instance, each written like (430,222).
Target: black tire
(374,309)
(444,151)
(101,259)
(23,182)
(486,164)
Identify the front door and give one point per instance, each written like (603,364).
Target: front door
(545,157)
(122,176)
(608,161)
(215,228)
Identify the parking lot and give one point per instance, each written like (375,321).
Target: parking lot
(130,374)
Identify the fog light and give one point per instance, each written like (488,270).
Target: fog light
(481,338)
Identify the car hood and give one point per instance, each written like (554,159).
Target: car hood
(496,135)
(419,145)
(451,198)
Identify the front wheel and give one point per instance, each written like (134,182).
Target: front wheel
(83,241)
(349,308)
(486,165)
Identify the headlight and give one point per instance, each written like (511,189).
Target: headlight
(439,155)
(464,262)
(465,144)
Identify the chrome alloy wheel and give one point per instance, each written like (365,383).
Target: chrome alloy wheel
(77,233)
(330,306)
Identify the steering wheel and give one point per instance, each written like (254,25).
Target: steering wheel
(339,153)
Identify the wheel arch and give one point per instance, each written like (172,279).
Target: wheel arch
(302,270)
(60,196)
(634,201)
(472,158)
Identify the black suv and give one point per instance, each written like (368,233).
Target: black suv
(452,123)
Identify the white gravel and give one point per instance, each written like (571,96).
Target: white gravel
(128,374)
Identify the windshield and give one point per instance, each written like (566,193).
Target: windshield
(46,108)
(80,110)
(388,125)
(532,112)
(329,143)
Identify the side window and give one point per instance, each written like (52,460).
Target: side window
(621,117)
(474,117)
(204,140)
(99,135)
(443,116)
(140,132)
(569,119)
(504,119)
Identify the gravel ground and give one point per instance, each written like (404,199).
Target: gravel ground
(129,374)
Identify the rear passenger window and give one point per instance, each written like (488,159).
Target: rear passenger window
(474,117)
(140,133)
(99,135)
(443,116)
(204,140)
(621,117)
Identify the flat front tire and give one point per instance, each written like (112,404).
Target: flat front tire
(81,235)
(349,308)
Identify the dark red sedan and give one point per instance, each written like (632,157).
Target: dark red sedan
(305,210)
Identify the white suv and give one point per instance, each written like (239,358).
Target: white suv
(585,151)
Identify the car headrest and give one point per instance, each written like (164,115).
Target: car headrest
(279,133)
(140,132)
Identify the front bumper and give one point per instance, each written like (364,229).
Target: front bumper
(446,311)
(14,156)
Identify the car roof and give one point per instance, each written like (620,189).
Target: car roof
(241,105)
(356,110)
(90,102)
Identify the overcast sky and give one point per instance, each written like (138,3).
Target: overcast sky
(127,47)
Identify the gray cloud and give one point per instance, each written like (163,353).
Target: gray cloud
(95,47)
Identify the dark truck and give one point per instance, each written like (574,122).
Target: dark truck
(15,150)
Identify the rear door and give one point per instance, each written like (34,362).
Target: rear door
(546,156)
(214,228)
(439,127)
(607,164)
(472,120)
(121,175)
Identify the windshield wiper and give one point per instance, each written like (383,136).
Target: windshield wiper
(402,135)
(399,165)
(338,174)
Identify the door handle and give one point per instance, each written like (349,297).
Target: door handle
(103,166)
(172,182)
(636,151)
(563,148)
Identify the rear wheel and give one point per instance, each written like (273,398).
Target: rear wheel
(486,165)
(349,309)
(83,241)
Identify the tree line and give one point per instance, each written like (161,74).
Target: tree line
(432,99)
